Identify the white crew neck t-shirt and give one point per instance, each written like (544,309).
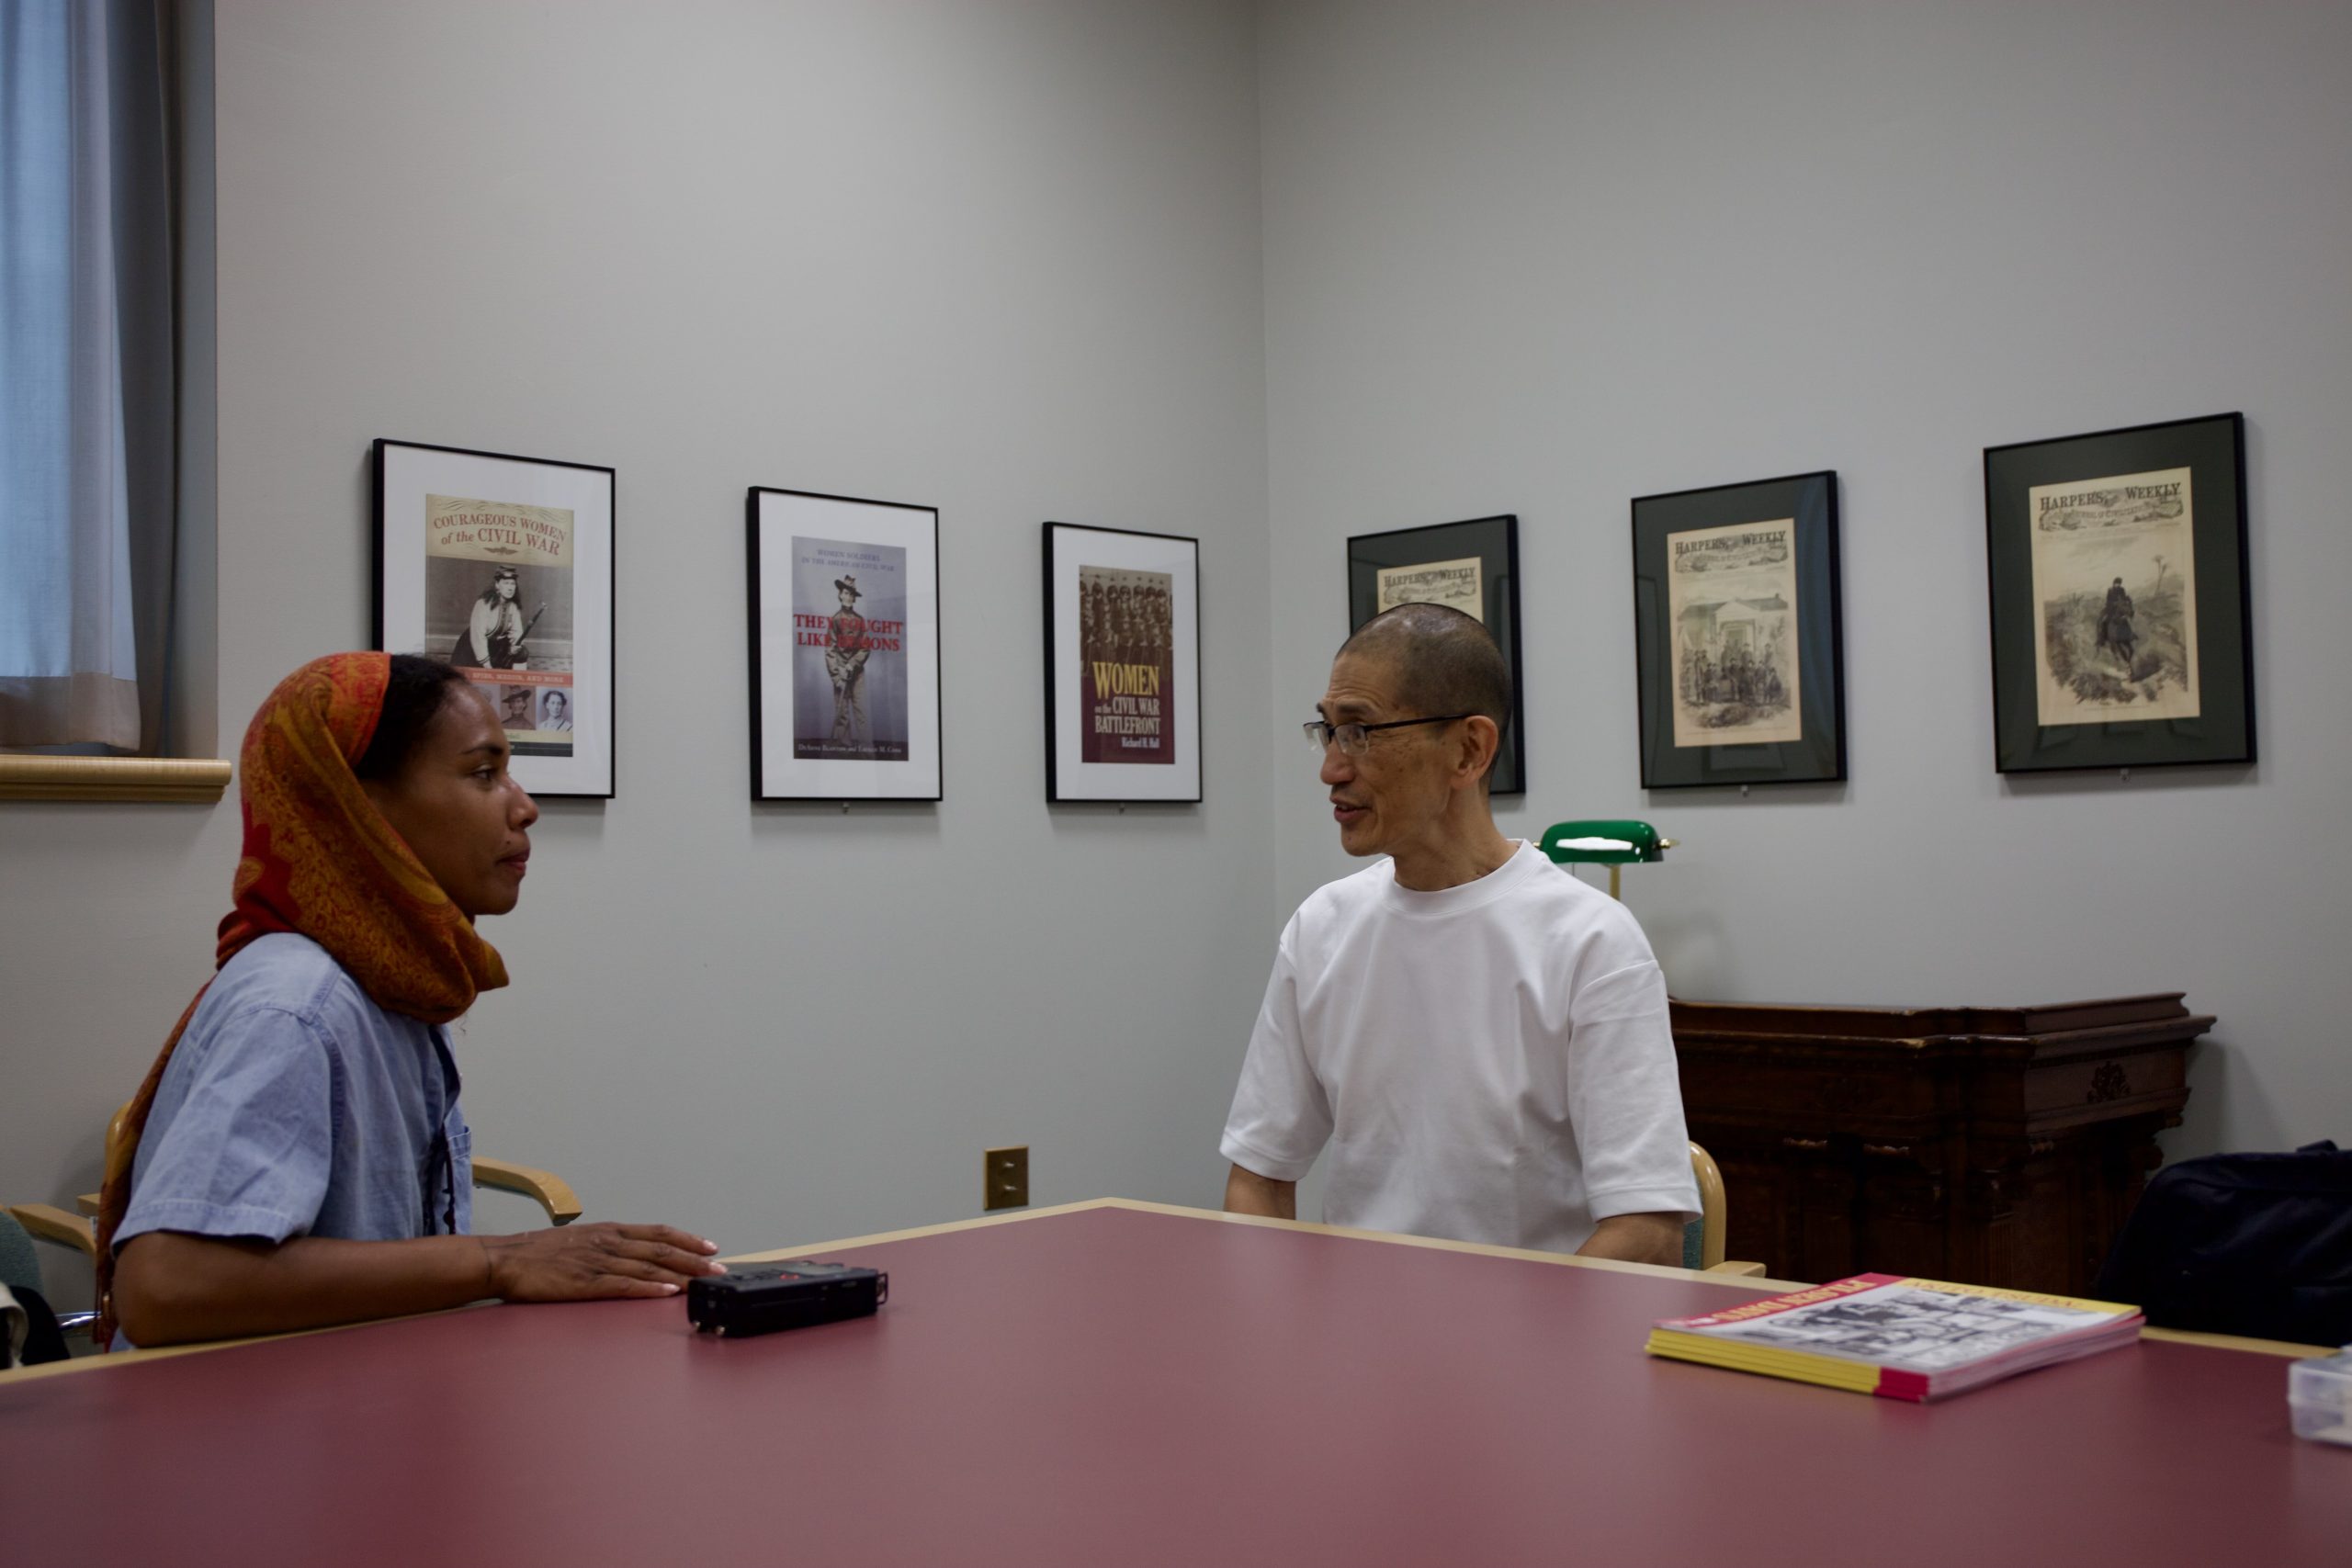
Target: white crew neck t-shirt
(1491,1063)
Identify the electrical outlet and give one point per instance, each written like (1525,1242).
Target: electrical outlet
(1004,1178)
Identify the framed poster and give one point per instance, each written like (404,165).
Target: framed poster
(2120,618)
(1122,665)
(504,566)
(1738,647)
(844,648)
(1472,567)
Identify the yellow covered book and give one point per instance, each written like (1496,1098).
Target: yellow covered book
(1898,1338)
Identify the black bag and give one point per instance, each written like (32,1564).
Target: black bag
(2258,1245)
(44,1340)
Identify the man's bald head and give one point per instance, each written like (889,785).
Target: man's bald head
(1443,661)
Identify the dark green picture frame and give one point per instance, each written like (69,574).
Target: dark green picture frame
(1494,542)
(2212,448)
(1818,754)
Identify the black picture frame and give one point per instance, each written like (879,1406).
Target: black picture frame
(2172,641)
(422,530)
(1159,711)
(1713,644)
(894,750)
(1441,551)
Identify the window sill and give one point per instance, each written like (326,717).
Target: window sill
(199,779)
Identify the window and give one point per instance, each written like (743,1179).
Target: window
(88,408)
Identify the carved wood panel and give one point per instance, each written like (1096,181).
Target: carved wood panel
(1991,1145)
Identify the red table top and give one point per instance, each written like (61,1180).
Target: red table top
(1112,1386)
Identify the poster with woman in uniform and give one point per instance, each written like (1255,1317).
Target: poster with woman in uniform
(845,647)
(848,653)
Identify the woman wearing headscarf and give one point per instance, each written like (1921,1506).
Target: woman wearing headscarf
(297,1157)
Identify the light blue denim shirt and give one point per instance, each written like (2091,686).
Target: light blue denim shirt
(295,1106)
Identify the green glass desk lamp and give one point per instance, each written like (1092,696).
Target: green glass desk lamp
(1612,843)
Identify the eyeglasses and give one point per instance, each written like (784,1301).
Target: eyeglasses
(1355,739)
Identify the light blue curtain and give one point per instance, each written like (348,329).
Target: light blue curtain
(87,465)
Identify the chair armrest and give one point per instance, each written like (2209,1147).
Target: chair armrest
(1745,1270)
(47,1222)
(551,1192)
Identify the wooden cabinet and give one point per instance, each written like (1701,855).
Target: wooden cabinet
(1991,1146)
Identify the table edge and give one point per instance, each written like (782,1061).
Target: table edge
(1143,1206)
(100,1360)
(2167,1335)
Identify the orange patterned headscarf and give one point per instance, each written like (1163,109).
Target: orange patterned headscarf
(320,861)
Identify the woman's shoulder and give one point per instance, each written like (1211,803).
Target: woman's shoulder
(286,973)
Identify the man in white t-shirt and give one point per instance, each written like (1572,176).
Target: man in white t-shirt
(1480,1036)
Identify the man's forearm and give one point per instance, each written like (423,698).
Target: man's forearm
(1636,1238)
(1246,1192)
(171,1288)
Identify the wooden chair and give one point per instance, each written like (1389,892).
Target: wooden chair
(550,1192)
(46,1222)
(1702,1238)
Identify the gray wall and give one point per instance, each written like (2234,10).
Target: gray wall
(1000,258)
(1541,259)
